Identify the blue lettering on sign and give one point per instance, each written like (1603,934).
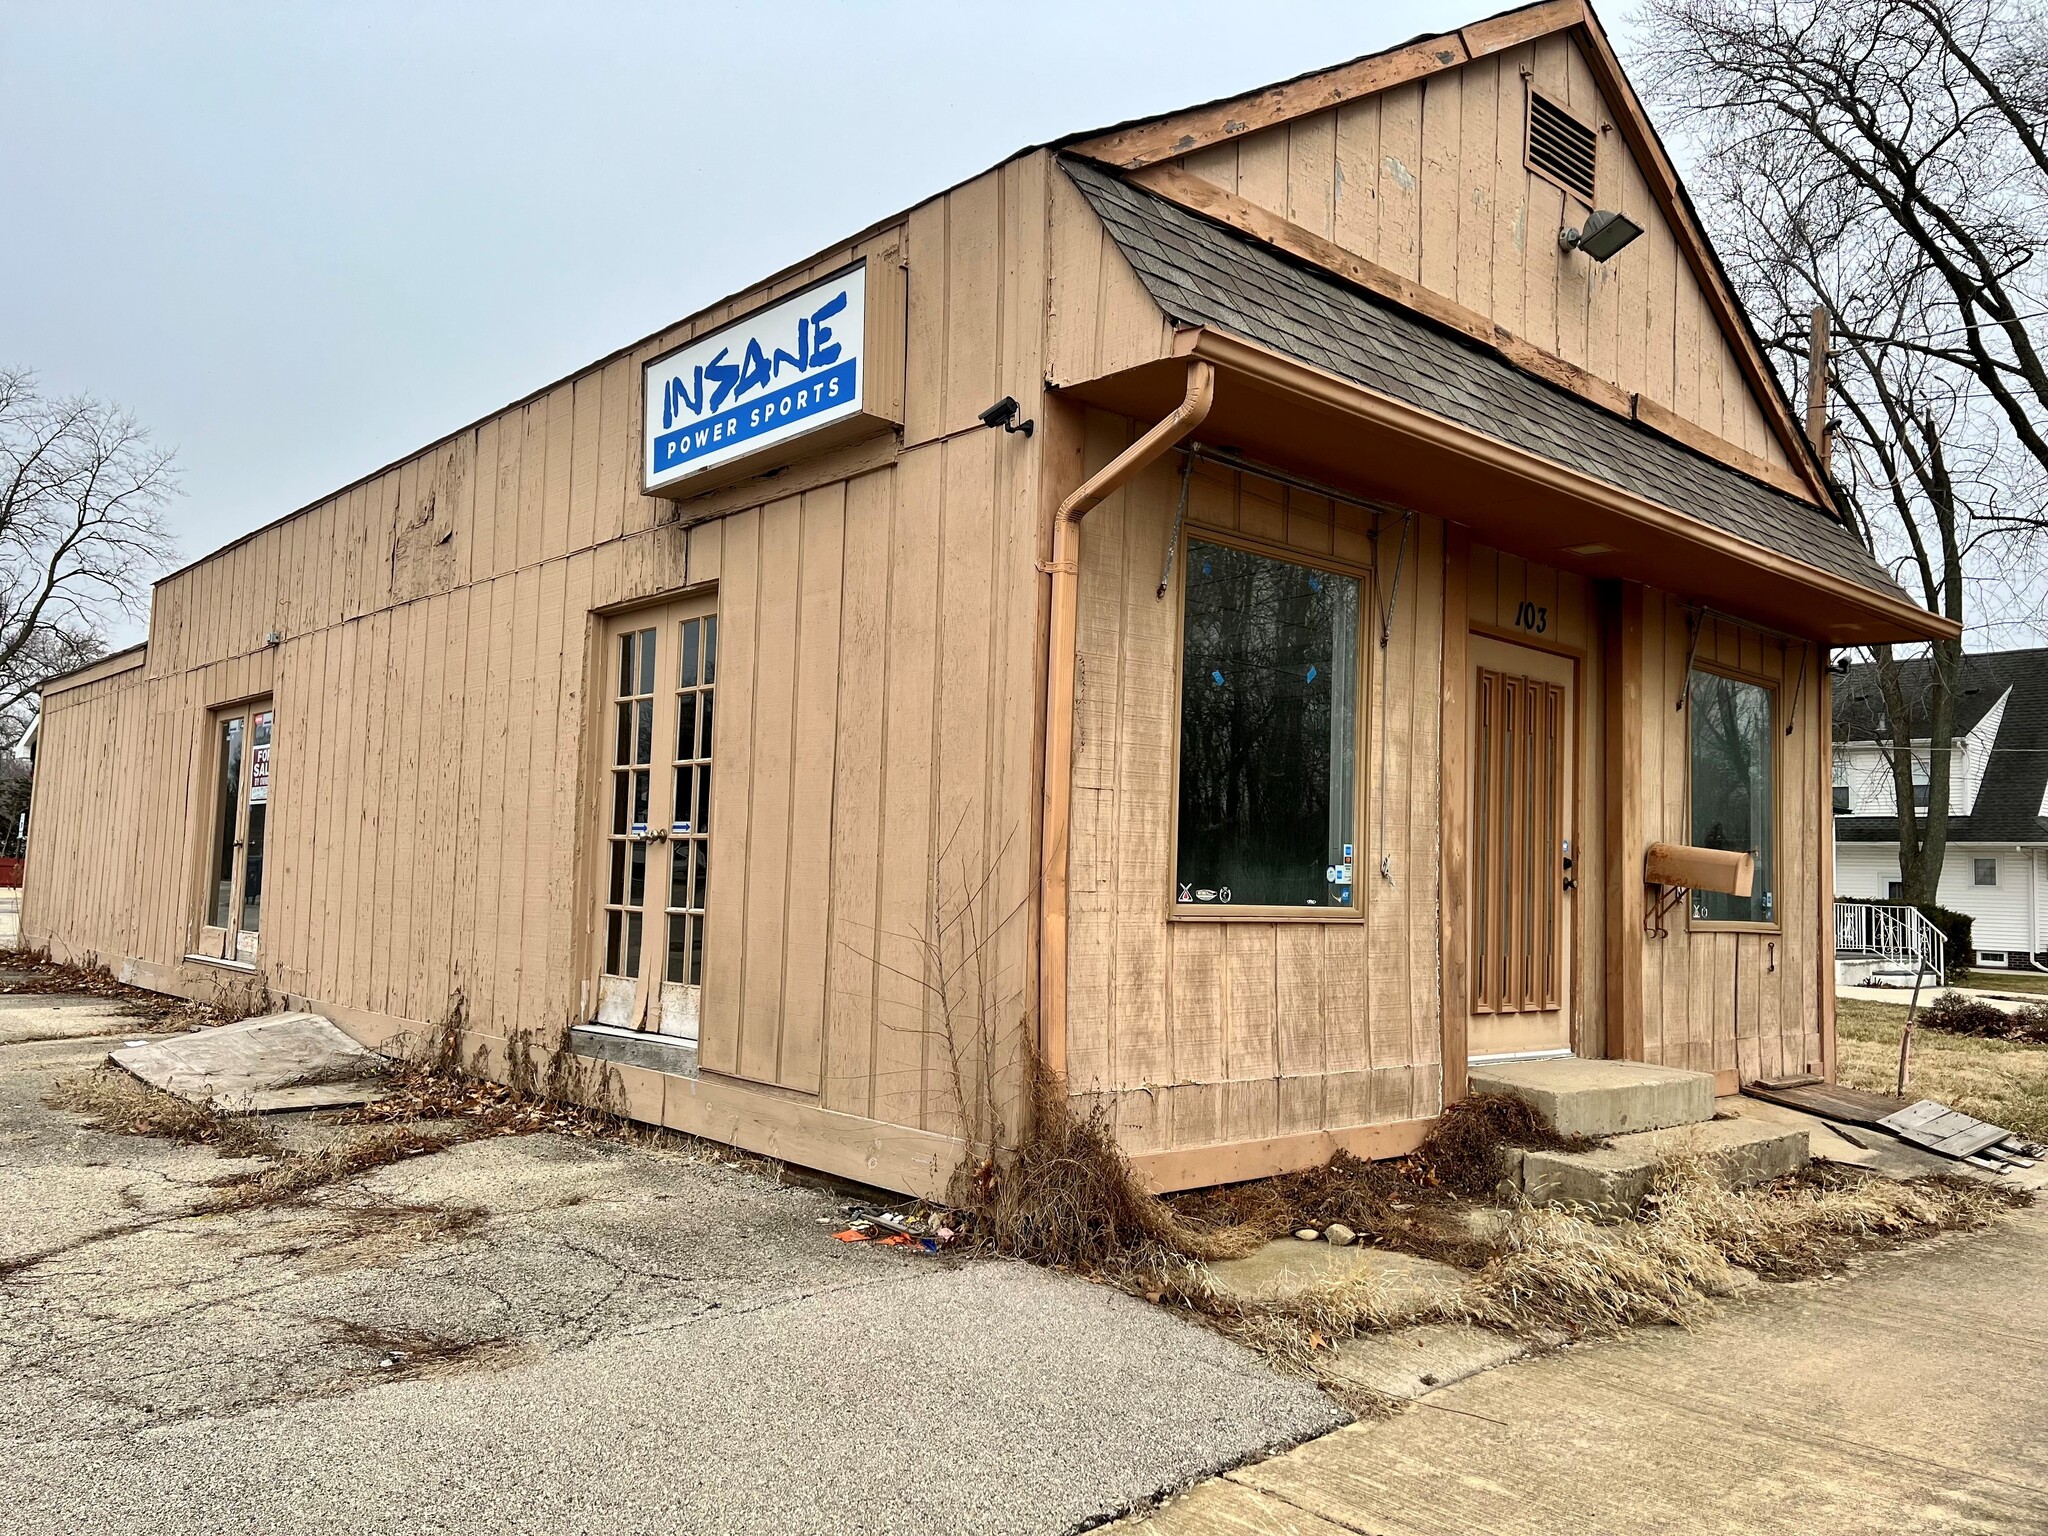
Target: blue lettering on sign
(816,348)
(793,402)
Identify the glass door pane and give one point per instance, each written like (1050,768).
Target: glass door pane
(630,797)
(259,814)
(220,904)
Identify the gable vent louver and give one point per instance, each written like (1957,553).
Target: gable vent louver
(1561,147)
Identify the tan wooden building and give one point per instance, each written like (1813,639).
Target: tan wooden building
(1279,724)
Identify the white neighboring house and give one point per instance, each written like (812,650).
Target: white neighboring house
(1996,869)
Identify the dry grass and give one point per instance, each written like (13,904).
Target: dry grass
(405,1352)
(1421,1204)
(2029,983)
(113,1100)
(31,972)
(1995,1080)
(294,1175)
(561,1094)
(1071,1200)
(1562,1273)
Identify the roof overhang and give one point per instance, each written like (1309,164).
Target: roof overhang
(1276,409)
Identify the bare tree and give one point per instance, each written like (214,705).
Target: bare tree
(83,494)
(1882,160)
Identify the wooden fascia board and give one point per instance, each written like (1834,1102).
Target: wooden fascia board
(96,671)
(1187,190)
(1662,177)
(1234,354)
(1184,132)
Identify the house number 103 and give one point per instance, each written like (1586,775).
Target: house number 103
(1532,618)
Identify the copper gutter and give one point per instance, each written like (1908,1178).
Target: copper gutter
(1061,668)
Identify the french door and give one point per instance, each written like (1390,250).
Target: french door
(662,670)
(239,798)
(1521,855)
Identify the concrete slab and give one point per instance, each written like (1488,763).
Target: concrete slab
(1806,1409)
(1285,1269)
(278,1062)
(26,1016)
(1417,1361)
(1616,1177)
(1601,1098)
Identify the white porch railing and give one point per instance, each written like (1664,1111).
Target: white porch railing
(1900,935)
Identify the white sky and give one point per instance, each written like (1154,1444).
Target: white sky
(299,241)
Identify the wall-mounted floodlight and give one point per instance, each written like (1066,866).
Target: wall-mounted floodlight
(1604,234)
(1004,414)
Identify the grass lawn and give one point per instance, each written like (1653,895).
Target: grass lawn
(2032,983)
(1992,1079)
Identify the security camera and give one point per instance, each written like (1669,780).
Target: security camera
(1004,414)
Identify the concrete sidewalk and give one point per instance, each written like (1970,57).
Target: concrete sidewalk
(2006,1002)
(548,1334)
(1910,1396)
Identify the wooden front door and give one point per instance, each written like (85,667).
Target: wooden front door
(1521,853)
(661,666)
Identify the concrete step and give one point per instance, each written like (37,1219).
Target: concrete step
(1614,1178)
(1601,1098)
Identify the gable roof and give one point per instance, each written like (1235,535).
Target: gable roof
(1146,143)
(1202,273)
(2008,804)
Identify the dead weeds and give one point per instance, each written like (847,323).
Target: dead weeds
(292,1176)
(405,1352)
(1070,1199)
(113,1100)
(31,972)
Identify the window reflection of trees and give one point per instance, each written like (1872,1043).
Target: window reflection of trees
(1731,786)
(1269,655)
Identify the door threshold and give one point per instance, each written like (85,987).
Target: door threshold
(1493,1061)
(243,966)
(635,1048)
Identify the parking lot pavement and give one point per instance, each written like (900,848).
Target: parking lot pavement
(546,1333)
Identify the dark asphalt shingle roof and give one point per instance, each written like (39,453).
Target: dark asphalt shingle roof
(2008,804)
(1204,273)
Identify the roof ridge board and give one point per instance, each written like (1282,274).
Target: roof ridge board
(1443,328)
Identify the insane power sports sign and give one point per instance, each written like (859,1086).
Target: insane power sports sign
(781,372)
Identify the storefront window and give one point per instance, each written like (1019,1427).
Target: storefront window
(1268,733)
(1732,798)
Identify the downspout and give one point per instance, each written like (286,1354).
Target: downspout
(1060,673)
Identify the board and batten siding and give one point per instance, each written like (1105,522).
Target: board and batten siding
(437,644)
(1719,998)
(1201,1031)
(1427,180)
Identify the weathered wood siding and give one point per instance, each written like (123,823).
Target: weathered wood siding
(1717,999)
(1427,179)
(438,623)
(1206,1031)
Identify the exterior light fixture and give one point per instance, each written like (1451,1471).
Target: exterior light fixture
(1589,549)
(1604,234)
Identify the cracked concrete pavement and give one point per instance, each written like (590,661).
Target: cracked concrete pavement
(543,1333)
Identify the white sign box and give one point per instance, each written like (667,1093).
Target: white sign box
(782,372)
